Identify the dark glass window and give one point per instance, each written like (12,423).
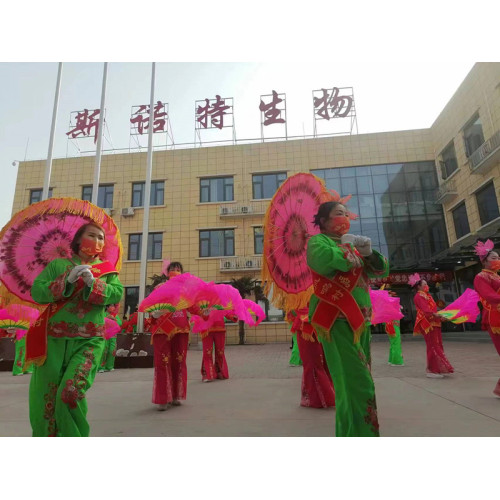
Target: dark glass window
(157,193)
(473,135)
(258,240)
(131,300)
(449,161)
(216,189)
(265,185)
(104,195)
(487,203)
(36,195)
(461,221)
(155,246)
(217,243)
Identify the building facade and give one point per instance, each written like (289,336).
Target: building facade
(208,203)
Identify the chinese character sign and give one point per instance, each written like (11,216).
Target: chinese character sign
(85,121)
(140,118)
(215,110)
(329,104)
(271,112)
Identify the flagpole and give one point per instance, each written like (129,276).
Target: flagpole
(48,167)
(100,129)
(147,196)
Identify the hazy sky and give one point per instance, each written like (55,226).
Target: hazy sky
(388,96)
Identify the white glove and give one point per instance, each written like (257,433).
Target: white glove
(77,271)
(11,330)
(157,314)
(364,245)
(87,277)
(348,238)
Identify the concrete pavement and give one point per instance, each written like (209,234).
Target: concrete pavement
(263,394)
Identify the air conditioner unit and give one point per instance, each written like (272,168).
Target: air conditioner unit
(128,212)
(245,210)
(224,210)
(227,264)
(108,211)
(249,263)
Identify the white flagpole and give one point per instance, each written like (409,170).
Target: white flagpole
(100,129)
(147,196)
(48,168)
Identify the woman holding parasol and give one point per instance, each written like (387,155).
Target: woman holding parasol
(340,312)
(428,324)
(487,285)
(73,269)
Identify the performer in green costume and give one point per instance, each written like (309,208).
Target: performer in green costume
(17,368)
(395,353)
(66,343)
(340,311)
(108,357)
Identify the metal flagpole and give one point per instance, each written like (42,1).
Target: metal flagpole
(147,196)
(48,168)
(100,130)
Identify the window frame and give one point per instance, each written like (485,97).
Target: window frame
(225,243)
(208,188)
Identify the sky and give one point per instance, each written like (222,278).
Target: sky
(388,97)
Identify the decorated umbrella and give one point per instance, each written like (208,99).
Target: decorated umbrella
(288,225)
(385,308)
(462,310)
(24,315)
(43,232)
(8,321)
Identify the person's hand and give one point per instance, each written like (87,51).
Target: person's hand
(348,238)
(87,277)
(364,245)
(157,314)
(76,272)
(11,330)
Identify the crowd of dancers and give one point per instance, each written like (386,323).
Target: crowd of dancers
(70,342)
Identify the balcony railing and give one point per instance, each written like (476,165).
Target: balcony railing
(447,191)
(486,155)
(251,208)
(241,263)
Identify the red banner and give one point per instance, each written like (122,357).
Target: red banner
(402,277)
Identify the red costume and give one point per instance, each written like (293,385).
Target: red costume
(487,285)
(317,386)
(215,336)
(430,327)
(170,340)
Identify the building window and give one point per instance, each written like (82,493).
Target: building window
(473,135)
(155,246)
(36,195)
(487,204)
(217,243)
(157,193)
(265,185)
(104,195)
(258,240)
(449,161)
(216,189)
(131,300)
(461,221)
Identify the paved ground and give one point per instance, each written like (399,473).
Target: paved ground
(263,394)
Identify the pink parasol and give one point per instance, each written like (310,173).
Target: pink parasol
(385,308)
(43,232)
(288,225)
(464,309)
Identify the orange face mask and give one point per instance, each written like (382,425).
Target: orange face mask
(495,265)
(425,288)
(338,225)
(171,274)
(91,247)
